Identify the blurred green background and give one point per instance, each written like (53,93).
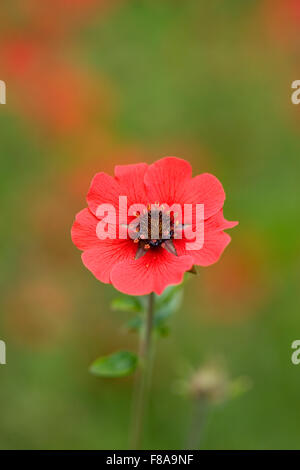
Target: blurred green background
(91,84)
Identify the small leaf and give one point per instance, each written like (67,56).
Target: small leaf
(169,302)
(134,324)
(118,364)
(127,304)
(167,295)
(162,330)
(170,299)
(165,305)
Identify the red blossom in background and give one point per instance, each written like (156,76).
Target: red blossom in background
(58,95)
(238,287)
(53,20)
(167,181)
(282,20)
(55,94)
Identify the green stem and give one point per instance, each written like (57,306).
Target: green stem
(198,419)
(142,382)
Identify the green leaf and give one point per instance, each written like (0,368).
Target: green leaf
(163,330)
(167,294)
(118,364)
(169,302)
(165,305)
(134,324)
(127,304)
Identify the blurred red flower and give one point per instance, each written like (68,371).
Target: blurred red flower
(239,286)
(145,265)
(53,20)
(283,19)
(58,96)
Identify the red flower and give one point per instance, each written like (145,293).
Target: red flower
(141,266)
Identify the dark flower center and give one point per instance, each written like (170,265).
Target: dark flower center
(155,228)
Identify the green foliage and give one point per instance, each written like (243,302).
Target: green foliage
(166,305)
(239,386)
(170,300)
(135,323)
(127,303)
(115,365)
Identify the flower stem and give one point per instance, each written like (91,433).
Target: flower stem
(142,382)
(198,419)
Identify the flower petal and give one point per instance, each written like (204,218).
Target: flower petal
(218,222)
(215,223)
(151,273)
(131,180)
(214,245)
(104,189)
(165,180)
(101,258)
(205,189)
(83,232)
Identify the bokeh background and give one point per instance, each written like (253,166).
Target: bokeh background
(94,83)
